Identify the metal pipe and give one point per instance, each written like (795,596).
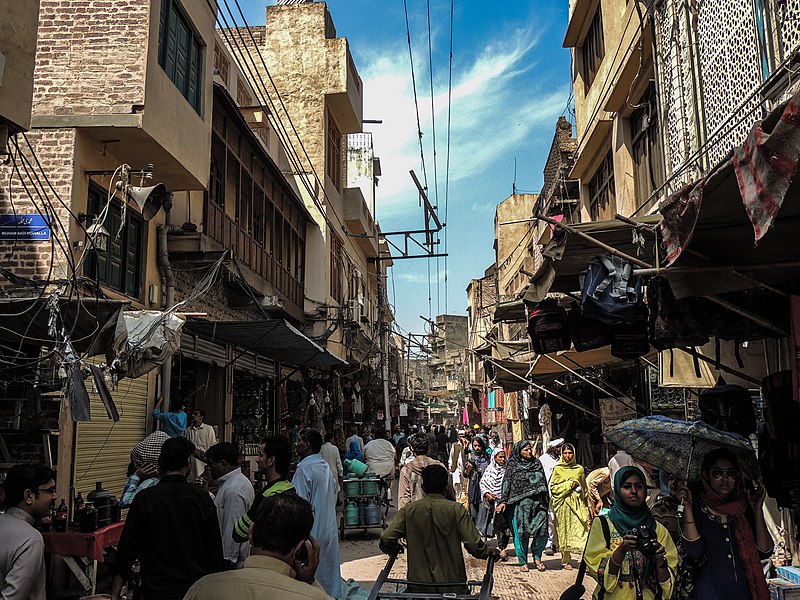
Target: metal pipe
(169,289)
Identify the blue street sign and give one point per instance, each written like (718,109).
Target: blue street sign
(24,228)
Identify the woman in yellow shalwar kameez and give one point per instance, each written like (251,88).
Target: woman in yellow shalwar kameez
(622,571)
(568,495)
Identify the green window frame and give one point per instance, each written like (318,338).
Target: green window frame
(180,52)
(120,267)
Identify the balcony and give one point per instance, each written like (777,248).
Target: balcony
(128,104)
(263,273)
(358,221)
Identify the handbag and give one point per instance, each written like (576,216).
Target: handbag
(577,589)
(687,573)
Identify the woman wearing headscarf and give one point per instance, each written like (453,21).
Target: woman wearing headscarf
(624,568)
(473,470)
(525,497)
(490,522)
(732,568)
(568,493)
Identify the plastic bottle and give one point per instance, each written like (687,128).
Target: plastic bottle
(62,517)
(351,513)
(372,512)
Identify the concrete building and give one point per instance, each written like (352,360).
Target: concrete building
(18,43)
(619,156)
(560,193)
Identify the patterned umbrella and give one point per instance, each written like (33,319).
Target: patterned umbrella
(678,447)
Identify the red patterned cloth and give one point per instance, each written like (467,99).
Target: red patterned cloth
(765,165)
(90,545)
(680,212)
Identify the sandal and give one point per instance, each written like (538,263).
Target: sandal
(523,568)
(540,566)
(567,567)
(503,555)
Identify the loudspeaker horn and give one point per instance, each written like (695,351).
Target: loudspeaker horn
(150,199)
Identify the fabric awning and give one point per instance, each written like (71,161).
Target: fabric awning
(273,338)
(569,255)
(92,325)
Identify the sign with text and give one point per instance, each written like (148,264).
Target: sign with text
(24,228)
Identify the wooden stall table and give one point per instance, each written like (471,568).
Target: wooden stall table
(82,551)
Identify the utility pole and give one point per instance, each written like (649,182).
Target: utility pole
(384,340)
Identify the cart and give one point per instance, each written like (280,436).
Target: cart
(485,586)
(369,488)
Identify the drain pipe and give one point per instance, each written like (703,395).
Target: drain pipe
(169,284)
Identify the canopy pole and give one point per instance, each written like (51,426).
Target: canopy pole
(591,240)
(716,268)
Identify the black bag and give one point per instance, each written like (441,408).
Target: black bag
(631,340)
(548,328)
(686,575)
(577,589)
(610,291)
(729,408)
(586,333)
(674,323)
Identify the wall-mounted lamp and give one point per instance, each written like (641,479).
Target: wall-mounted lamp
(97,236)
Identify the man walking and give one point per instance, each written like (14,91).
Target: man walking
(234,497)
(283,562)
(549,461)
(202,435)
(172,528)
(354,437)
(314,481)
(410,487)
(30,490)
(273,461)
(331,455)
(435,528)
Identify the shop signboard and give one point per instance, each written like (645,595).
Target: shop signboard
(614,411)
(403,409)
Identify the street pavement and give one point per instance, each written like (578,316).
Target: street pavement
(362,561)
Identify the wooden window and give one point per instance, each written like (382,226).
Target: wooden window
(180,52)
(221,63)
(602,194)
(243,97)
(120,266)
(593,49)
(648,154)
(333,153)
(245,205)
(217,182)
(337,269)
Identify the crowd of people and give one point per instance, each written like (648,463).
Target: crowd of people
(455,489)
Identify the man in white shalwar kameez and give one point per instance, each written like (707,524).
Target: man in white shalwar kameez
(314,481)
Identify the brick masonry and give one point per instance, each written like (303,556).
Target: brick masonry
(24,190)
(91,56)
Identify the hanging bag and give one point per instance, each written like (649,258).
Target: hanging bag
(610,291)
(586,333)
(548,328)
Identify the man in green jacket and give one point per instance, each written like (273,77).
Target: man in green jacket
(434,528)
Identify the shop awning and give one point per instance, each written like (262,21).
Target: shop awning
(714,246)
(273,338)
(92,325)
(569,254)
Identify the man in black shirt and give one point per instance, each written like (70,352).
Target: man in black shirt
(172,529)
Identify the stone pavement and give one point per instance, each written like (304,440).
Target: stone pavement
(362,561)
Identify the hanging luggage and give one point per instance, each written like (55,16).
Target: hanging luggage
(610,291)
(674,323)
(586,333)
(729,408)
(548,327)
(631,340)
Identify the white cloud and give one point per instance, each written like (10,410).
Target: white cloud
(489,116)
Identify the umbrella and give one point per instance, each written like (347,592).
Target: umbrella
(678,447)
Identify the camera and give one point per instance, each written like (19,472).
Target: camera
(645,540)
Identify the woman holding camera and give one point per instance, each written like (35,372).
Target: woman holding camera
(724,531)
(638,559)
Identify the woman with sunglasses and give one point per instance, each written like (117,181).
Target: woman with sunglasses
(725,527)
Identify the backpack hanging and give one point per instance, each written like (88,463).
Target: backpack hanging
(674,323)
(729,408)
(630,340)
(548,328)
(587,333)
(610,291)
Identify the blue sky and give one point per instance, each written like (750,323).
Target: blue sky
(511,81)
